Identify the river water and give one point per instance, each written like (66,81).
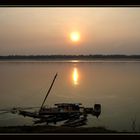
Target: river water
(113,84)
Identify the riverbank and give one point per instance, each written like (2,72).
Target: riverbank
(53,129)
(114,57)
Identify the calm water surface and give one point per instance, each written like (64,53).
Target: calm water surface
(115,85)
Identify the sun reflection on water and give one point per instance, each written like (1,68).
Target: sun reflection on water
(75,76)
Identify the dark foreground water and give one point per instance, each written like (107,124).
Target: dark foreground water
(113,84)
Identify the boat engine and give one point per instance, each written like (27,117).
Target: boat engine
(97,110)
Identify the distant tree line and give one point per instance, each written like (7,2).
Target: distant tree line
(68,57)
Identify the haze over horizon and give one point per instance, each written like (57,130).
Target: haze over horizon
(46,31)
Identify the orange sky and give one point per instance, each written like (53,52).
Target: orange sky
(47,30)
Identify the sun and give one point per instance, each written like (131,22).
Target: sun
(75,36)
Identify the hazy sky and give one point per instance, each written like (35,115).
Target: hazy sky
(46,30)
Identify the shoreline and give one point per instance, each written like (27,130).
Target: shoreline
(53,129)
(70,57)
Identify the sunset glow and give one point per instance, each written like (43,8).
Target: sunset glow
(75,36)
(69,31)
(75,76)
